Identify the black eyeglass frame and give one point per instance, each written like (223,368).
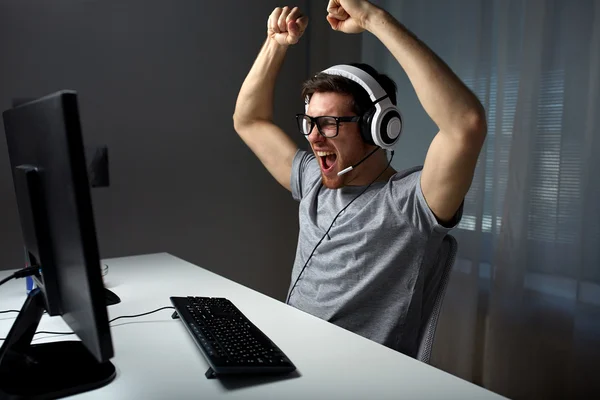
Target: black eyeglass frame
(315,121)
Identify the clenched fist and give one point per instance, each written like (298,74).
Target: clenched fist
(286,25)
(348,16)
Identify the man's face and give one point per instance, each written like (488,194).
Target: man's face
(344,150)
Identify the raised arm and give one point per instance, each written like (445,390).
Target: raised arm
(452,156)
(253,116)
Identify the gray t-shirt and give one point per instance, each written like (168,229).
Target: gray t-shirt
(369,275)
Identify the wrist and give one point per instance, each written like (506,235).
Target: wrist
(375,17)
(275,46)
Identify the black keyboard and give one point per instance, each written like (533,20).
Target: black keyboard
(228,340)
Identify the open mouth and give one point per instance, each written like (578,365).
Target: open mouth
(327,159)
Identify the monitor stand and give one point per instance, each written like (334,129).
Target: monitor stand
(46,370)
(111,297)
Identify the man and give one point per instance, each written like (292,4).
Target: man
(368,238)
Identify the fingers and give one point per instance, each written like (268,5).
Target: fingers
(272,23)
(335,10)
(302,23)
(296,23)
(293,15)
(287,24)
(301,20)
(332,4)
(281,22)
(349,17)
(333,22)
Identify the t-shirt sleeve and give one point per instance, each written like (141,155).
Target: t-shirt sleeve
(305,173)
(407,193)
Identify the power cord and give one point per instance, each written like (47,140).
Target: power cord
(49,333)
(112,320)
(7,311)
(330,226)
(31,270)
(21,273)
(141,315)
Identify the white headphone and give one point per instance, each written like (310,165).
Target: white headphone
(382,124)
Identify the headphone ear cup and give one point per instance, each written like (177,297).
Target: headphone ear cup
(365,126)
(390,127)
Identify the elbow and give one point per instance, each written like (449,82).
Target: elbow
(236,122)
(239,123)
(475,125)
(476,121)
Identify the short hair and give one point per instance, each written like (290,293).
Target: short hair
(323,83)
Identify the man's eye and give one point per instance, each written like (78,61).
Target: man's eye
(328,123)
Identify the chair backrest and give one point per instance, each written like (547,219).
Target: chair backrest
(445,261)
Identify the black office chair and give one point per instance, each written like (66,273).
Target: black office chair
(445,261)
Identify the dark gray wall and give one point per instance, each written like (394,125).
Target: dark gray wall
(326,46)
(157,83)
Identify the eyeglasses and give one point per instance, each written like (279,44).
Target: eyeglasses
(326,125)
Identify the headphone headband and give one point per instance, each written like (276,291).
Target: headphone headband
(371,86)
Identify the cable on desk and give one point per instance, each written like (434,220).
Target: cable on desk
(14,311)
(114,319)
(48,333)
(8,278)
(22,273)
(54,333)
(141,315)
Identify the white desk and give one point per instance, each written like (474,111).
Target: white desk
(156,358)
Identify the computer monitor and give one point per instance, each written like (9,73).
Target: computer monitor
(48,164)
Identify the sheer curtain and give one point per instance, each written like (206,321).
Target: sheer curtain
(522,313)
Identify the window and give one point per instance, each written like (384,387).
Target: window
(491,176)
(555,162)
